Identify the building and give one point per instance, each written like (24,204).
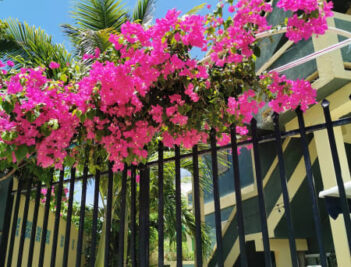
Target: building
(330,74)
(5,230)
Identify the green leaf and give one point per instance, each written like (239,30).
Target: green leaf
(30,116)
(196,9)
(63,77)
(21,152)
(143,11)
(8,107)
(69,161)
(45,130)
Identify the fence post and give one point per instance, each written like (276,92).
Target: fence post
(34,225)
(24,222)
(144,220)
(122,217)
(260,192)
(238,197)
(95,216)
(311,188)
(197,208)
(325,159)
(216,198)
(285,191)
(133,217)
(7,222)
(160,219)
(14,223)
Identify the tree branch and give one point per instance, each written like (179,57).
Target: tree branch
(9,174)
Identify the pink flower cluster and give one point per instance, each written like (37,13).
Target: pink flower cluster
(237,39)
(313,21)
(41,116)
(152,87)
(288,95)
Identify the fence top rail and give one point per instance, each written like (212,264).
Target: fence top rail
(261,139)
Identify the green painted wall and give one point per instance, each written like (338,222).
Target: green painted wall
(269,46)
(226,178)
(301,210)
(346,51)
(297,51)
(272,191)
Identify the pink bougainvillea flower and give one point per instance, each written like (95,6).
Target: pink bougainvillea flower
(10,63)
(54,65)
(153,88)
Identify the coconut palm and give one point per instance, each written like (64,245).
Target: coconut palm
(30,46)
(95,20)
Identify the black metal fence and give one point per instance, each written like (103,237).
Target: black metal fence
(138,249)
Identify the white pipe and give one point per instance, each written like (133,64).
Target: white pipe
(284,30)
(304,59)
(312,56)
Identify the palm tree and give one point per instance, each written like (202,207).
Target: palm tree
(188,219)
(30,46)
(95,20)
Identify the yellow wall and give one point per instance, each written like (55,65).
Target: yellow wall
(48,247)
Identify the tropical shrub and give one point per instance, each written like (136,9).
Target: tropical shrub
(147,87)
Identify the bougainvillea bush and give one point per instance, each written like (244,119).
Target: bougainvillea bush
(147,87)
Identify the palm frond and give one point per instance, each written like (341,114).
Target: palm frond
(143,11)
(86,41)
(196,9)
(30,45)
(99,14)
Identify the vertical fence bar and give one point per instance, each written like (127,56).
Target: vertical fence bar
(6,224)
(95,217)
(238,197)
(81,216)
(14,223)
(337,169)
(144,216)
(285,192)
(198,239)
(178,200)
(216,198)
(261,205)
(57,218)
(108,214)
(45,224)
(160,220)
(34,224)
(311,187)
(69,217)
(24,223)
(132,217)
(122,217)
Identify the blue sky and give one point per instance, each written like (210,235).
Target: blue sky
(50,14)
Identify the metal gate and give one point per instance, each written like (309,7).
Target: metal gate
(137,250)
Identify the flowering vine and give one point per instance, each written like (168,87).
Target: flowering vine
(147,87)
